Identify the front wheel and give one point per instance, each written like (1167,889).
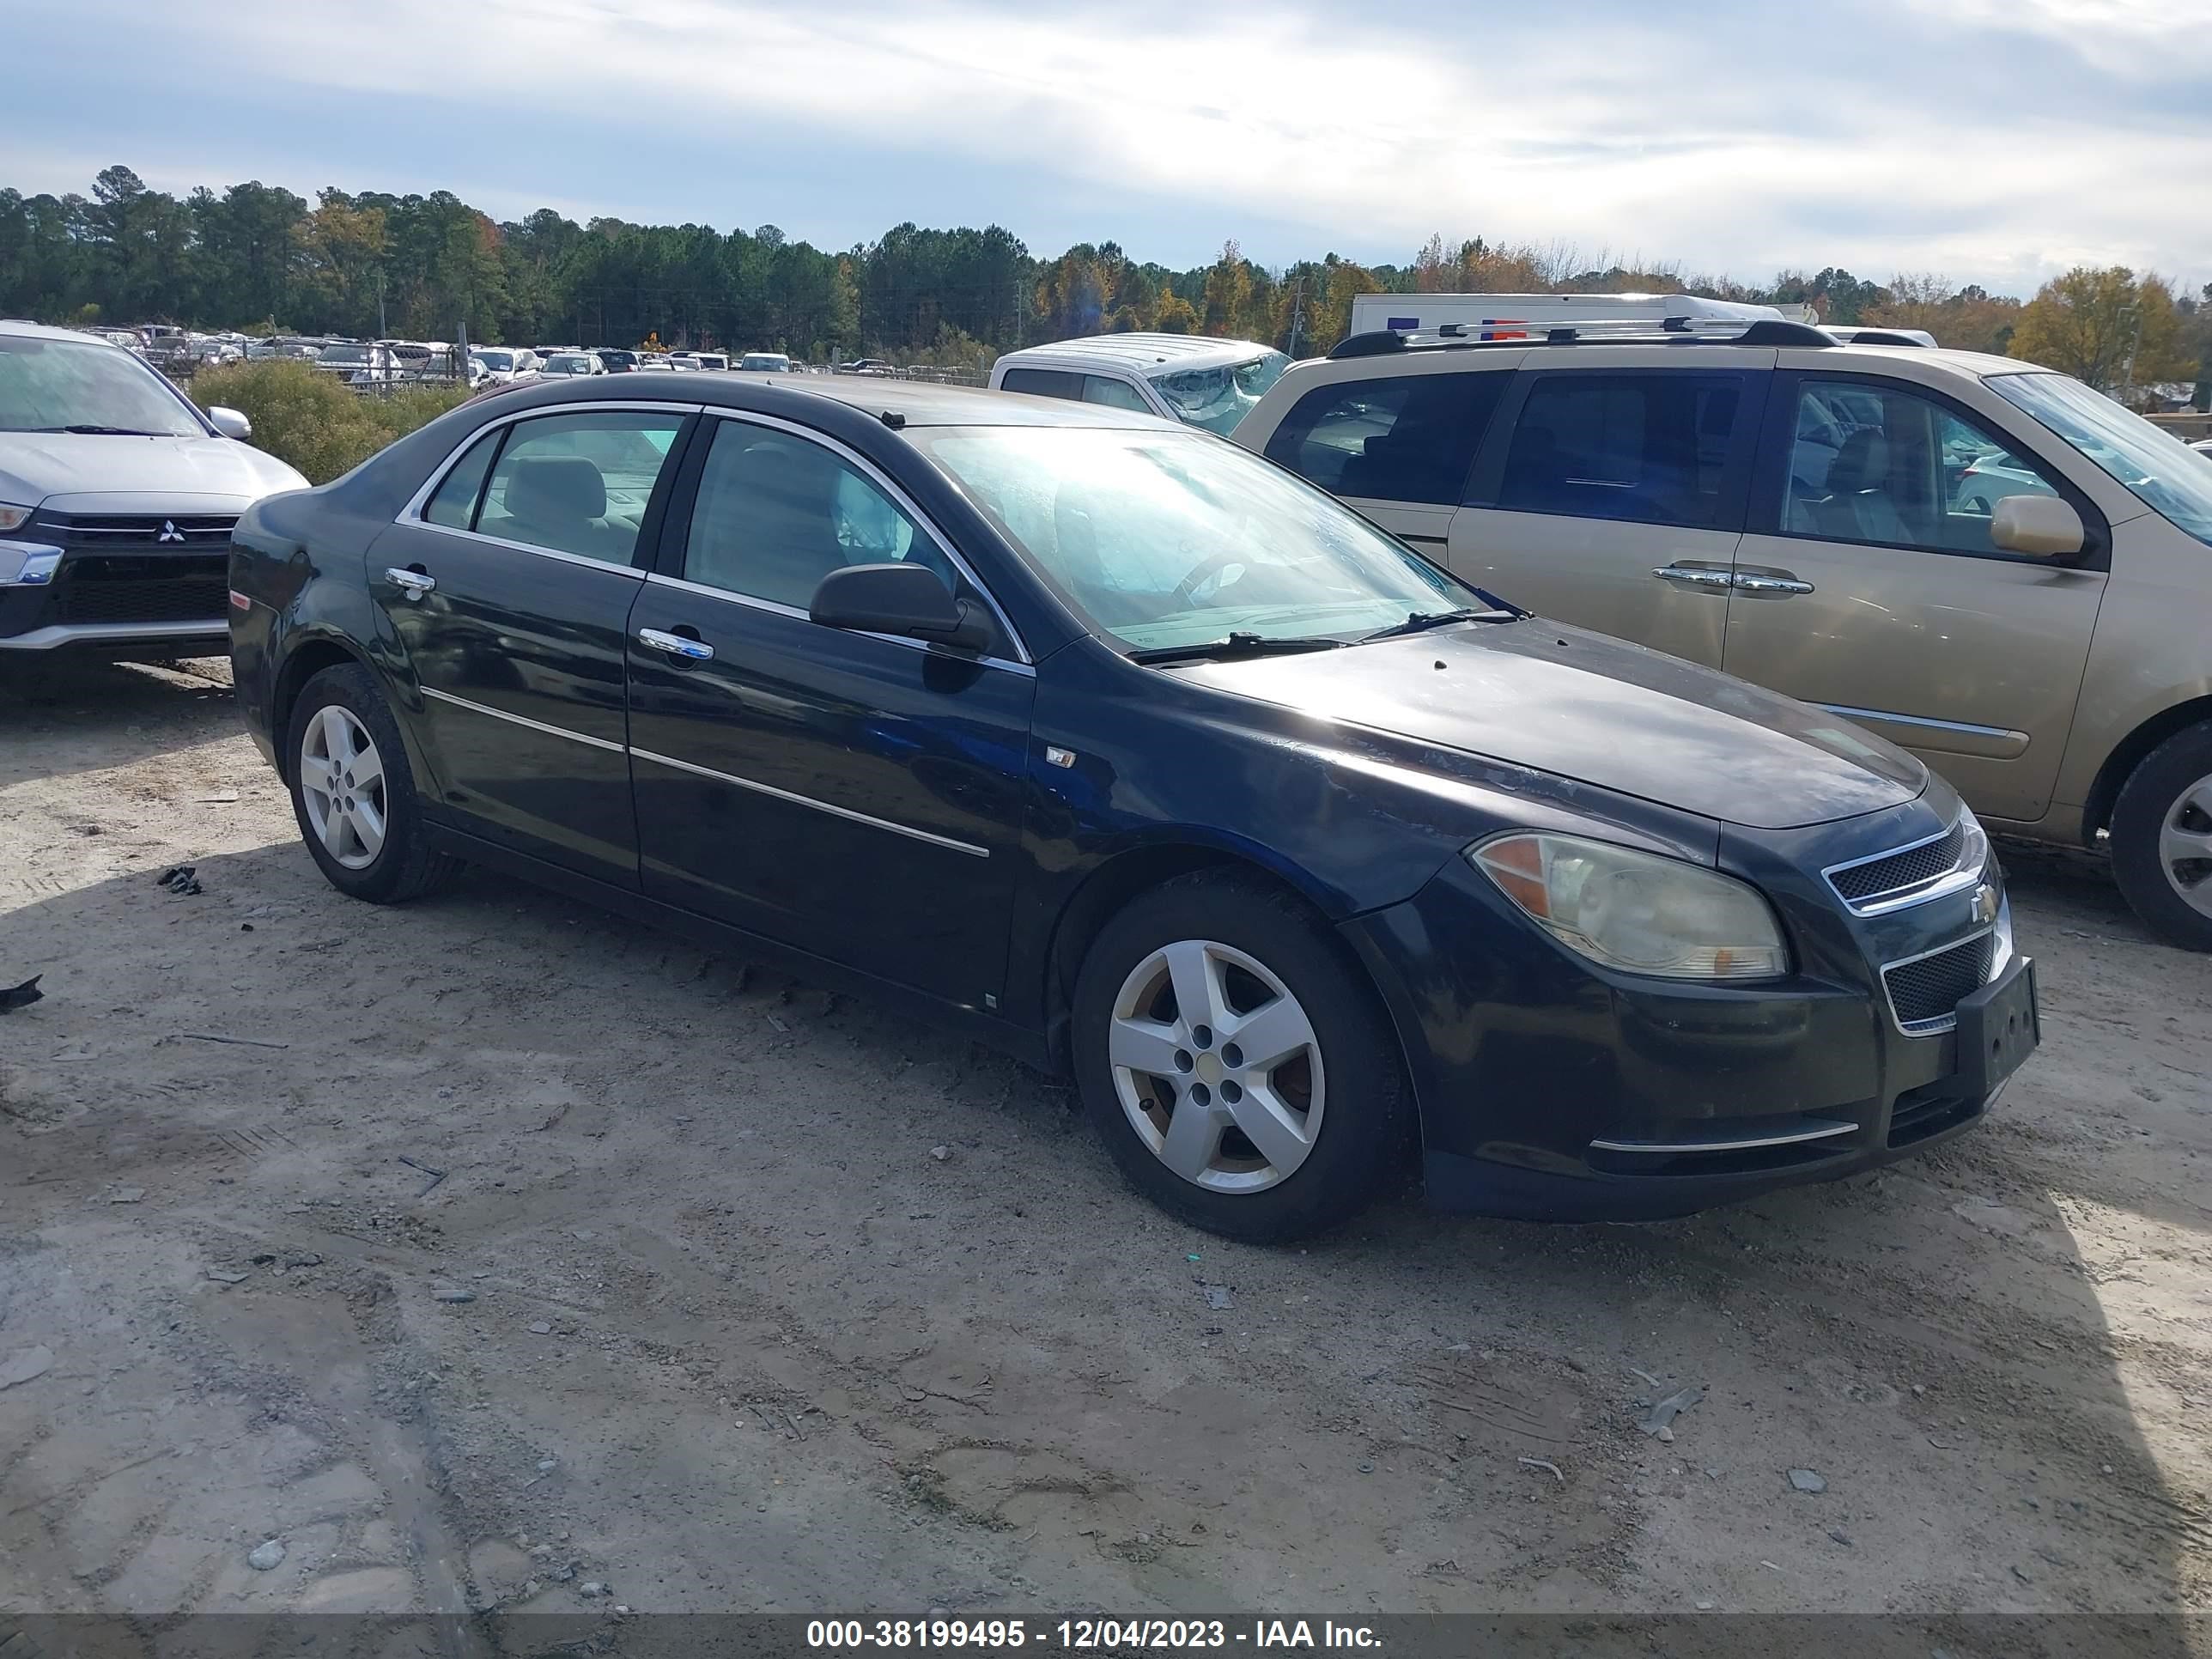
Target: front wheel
(354,794)
(1237,1061)
(2161,833)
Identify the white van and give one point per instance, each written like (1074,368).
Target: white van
(1526,316)
(1182,377)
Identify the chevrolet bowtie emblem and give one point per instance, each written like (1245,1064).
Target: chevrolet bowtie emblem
(169,532)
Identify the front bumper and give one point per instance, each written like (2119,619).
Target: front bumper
(1551,1089)
(118,599)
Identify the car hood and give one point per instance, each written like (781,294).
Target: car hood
(1605,713)
(77,472)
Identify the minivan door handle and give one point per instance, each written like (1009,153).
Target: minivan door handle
(691,650)
(1783,582)
(1695,575)
(414,582)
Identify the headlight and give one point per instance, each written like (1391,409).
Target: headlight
(1636,911)
(12,517)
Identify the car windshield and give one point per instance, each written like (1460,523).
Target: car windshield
(2155,465)
(761,360)
(566,366)
(1165,539)
(502,360)
(344,354)
(46,385)
(1218,399)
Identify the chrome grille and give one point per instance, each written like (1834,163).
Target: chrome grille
(1912,873)
(154,530)
(1924,993)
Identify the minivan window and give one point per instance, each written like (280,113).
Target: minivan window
(1405,438)
(1650,448)
(2156,466)
(1878,464)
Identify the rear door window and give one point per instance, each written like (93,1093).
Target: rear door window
(1401,438)
(578,483)
(1115,394)
(1655,447)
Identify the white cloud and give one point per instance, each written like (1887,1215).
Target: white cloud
(1998,140)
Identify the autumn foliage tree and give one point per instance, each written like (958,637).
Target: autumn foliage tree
(2108,327)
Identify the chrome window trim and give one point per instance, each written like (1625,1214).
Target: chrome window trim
(1822,1130)
(1957,879)
(905,504)
(1942,1022)
(776,607)
(412,512)
(524,721)
(847,812)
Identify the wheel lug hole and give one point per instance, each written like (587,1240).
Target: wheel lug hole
(1200,1095)
(1232,1056)
(1183,1061)
(1201,1036)
(1230,1092)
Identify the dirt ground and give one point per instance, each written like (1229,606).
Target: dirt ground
(508,1254)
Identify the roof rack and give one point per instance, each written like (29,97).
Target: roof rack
(1680,330)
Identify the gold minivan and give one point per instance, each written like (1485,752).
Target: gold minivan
(1990,564)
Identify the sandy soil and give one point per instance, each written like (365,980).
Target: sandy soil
(523,1251)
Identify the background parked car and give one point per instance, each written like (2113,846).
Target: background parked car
(117,502)
(1993,565)
(617,362)
(765,363)
(563,364)
(360,364)
(509,363)
(1179,377)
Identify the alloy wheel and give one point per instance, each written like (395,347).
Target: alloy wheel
(1218,1066)
(341,785)
(2184,845)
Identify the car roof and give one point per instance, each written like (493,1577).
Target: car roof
(1143,354)
(914,403)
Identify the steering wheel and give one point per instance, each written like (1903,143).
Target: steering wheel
(1205,570)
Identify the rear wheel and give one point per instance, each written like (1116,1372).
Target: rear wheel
(2161,832)
(1236,1060)
(354,794)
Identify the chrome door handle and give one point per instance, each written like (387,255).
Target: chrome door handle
(1772,585)
(413,583)
(675,644)
(1695,578)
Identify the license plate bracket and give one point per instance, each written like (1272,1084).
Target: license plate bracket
(1999,1027)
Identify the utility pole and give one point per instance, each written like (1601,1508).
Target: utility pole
(382,332)
(2135,342)
(1297,314)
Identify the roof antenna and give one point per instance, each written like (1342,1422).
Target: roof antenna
(893,419)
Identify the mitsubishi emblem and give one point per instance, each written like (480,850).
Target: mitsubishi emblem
(169,532)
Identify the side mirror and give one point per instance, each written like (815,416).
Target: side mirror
(230,423)
(2043,526)
(909,600)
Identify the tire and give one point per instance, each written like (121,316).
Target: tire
(368,839)
(1328,1108)
(2162,817)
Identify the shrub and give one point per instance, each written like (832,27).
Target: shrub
(313,420)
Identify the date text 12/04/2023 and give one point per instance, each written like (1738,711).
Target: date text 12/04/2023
(1086,1635)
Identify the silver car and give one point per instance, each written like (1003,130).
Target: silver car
(117,500)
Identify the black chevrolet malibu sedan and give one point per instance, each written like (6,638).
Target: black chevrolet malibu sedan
(1099,740)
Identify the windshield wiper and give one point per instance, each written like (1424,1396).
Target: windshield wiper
(1420,622)
(1237,644)
(87,431)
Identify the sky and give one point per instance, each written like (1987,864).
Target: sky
(1996,142)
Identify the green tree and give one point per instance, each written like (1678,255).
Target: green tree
(2106,326)
(1228,292)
